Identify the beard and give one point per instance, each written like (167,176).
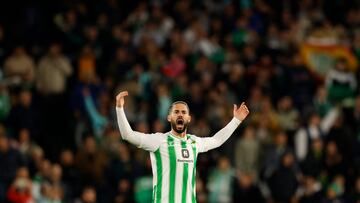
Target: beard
(181,129)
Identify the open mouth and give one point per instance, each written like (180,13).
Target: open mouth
(180,122)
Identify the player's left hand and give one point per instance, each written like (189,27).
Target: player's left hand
(242,112)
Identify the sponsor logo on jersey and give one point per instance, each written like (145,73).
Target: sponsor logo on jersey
(185,153)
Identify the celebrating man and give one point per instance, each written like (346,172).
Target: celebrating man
(173,154)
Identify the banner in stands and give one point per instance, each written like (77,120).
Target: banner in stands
(321,58)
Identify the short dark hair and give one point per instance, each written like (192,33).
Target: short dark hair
(179,102)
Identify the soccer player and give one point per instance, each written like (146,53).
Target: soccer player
(173,154)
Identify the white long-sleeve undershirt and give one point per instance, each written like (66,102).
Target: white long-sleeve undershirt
(151,142)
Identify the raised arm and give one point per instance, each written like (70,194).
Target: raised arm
(150,142)
(222,135)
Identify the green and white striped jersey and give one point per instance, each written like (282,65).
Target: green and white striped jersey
(174,168)
(173,159)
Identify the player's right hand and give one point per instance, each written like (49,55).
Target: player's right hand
(120,98)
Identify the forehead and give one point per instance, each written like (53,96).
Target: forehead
(179,107)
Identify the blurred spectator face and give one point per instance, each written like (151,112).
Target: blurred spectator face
(124,185)
(357,185)
(256,94)
(285,103)
(280,139)
(331,148)
(288,160)
(4,143)
(249,132)
(321,93)
(179,117)
(67,158)
(222,87)
(90,145)
(22,182)
(102,20)
(56,172)
(37,154)
(315,120)
(124,152)
(121,54)
(19,51)
(309,181)
(223,164)
(92,33)
(317,145)
(57,192)
(25,98)
(71,17)
(340,180)
(22,172)
(45,168)
(55,49)
(89,195)
(24,136)
(265,60)
(245,180)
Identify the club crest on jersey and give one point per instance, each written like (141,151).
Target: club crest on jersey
(185,153)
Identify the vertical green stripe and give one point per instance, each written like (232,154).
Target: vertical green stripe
(185,176)
(159,176)
(193,196)
(172,160)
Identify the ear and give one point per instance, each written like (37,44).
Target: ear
(189,120)
(169,118)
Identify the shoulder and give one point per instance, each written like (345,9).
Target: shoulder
(159,136)
(194,138)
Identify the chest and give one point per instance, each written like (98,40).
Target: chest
(179,151)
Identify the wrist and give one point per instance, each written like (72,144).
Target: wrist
(237,120)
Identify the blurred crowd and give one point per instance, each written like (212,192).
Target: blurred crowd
(63,61)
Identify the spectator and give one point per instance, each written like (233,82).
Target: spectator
(283,183)
(10,161)
(340,82)
(216,52)
(316,128)
(310,190)
(91,163)
(313,163)
(20,189)
(335,191)
(246,190)
(70,174)
(288,117)
(5,104)
(220,181)
(321,103)
(24,115)
(271,156)
(247,153)
(54,68)
(88,195)
(21,65)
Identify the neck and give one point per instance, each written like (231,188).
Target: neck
(182,135)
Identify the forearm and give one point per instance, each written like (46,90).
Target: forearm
(222,135)
(125,129)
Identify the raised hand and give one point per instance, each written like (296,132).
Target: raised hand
(120,101)
(241,112)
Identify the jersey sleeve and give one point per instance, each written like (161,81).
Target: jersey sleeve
(149,142)
(207,143)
